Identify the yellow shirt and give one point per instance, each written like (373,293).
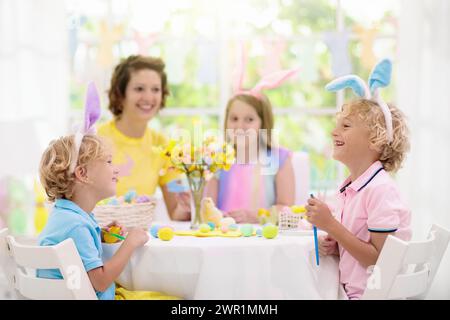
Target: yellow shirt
(147,163)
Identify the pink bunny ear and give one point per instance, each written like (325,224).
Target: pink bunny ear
(273,80)
(92,108)
(240,70)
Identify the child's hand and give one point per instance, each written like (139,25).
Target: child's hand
(137,238)
(327,246)
(123,230)
(318,214)
(243,216)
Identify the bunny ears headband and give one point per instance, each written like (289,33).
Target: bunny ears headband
(270,81)
(91,115)
(379,78)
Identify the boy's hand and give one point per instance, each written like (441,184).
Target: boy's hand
(327,246)
(318,214)
(123,230)
(137,238)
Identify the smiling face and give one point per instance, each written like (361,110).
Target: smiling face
(350,140)
(143,95)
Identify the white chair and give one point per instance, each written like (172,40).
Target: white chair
(6,269)
(64,256)
(300,162)
(405,270)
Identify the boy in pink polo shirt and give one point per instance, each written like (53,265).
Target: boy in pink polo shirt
(371,140)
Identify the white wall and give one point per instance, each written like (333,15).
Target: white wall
(424,95)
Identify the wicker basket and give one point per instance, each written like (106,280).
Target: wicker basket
(287,220)
(128,215)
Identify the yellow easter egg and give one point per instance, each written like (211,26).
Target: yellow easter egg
(165,233)
(110,238)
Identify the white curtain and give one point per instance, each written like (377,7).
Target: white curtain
(424,95)
(34,66)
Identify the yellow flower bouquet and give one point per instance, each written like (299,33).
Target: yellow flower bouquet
(199,163)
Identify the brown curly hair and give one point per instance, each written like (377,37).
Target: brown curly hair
(122,74)
(54,172)
(392,154)
(263,108)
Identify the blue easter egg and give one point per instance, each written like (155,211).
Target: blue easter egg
(113,202)
(129,196)
(259,232)
(154,231)
(212,225)
(233,227)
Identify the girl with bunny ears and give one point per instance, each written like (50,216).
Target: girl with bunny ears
(262,178)
(371,140)
(76,172)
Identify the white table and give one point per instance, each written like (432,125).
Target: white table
(231,268)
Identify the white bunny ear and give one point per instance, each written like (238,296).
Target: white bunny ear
(353,82)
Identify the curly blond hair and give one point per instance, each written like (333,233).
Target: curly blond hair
(392,154)
(54,171)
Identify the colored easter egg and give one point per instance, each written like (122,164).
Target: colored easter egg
(224,229)
(247,230)
(259,232)
(165,233)
(212,225)
(154,230)
(227,221)
(204,228)
(270,231)
(143,199)
(110,238)
(233,227)
(113,202)
(129,196)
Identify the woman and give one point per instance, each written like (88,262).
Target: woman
(138,91)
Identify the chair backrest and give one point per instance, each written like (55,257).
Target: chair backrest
(300,162)
(64,256)
(407,269)
(7,266)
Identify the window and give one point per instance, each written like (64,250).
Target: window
(198,40)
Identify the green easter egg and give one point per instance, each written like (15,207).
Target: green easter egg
(270,231)
(247,230)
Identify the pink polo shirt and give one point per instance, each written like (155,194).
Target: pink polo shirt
(371,203)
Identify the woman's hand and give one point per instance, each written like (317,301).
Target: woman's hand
(318,214)
(243,216)
(327,246)
(182,210)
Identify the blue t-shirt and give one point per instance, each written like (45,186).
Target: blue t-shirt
(68,220)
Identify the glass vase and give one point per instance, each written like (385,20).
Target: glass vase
(197,187)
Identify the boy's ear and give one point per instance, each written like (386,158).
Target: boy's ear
(81,174)
(374,148)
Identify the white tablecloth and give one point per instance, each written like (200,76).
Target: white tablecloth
(231,268)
